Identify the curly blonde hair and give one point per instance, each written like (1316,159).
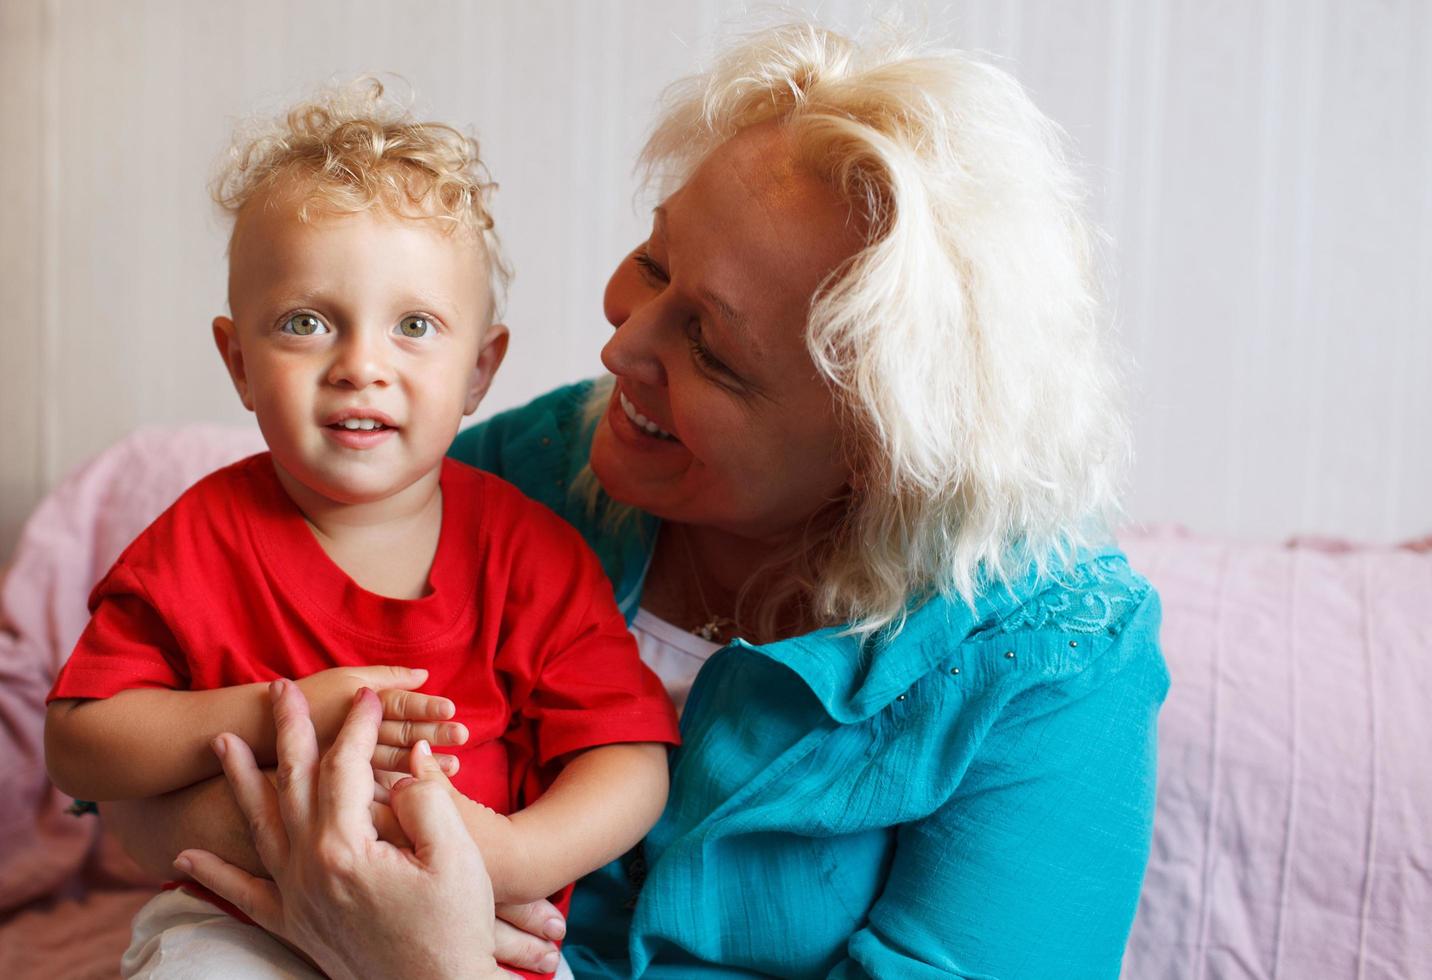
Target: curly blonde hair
(351,148)
(965,344)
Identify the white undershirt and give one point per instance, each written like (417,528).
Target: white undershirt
(672,652)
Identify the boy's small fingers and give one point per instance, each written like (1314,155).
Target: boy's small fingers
(405,677)
(410,706)
(403,733)
(396,760)
(390,758)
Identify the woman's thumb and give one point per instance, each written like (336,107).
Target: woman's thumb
(424,805)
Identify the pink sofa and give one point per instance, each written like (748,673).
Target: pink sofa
(1294,828)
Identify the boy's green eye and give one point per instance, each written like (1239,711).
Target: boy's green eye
(304,325)
(415,326)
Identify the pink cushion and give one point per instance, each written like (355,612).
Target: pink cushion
(69,542)
(1294,828)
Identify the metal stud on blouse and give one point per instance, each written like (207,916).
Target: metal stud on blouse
(1009,654)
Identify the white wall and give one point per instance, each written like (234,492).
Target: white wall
(1265,170)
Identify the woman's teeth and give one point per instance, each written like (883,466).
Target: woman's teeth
(364,424)
(641,421)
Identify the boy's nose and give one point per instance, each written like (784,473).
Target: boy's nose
(360,362)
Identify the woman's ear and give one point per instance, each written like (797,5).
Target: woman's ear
(226,338)
(489,359)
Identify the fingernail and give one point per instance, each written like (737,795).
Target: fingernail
(275,690)
(548,963)
(554,928)
(183,865)
(219,746)
(423,748)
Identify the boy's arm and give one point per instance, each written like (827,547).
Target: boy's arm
(146,742)
(601,804)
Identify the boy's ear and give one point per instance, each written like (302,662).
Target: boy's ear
(489,359)
(226,338)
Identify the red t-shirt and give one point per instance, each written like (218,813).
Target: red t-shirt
(230,586)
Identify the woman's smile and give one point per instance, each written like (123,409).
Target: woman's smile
(640,420)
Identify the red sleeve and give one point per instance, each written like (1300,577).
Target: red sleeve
(127,644)
(593,688)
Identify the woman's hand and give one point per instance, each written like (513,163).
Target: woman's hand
(408,717)
(357,905)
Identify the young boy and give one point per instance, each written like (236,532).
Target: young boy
(363,282)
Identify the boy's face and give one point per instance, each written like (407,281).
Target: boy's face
(365,320)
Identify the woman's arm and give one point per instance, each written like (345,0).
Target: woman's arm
(600,805)
(1033,868)
(153,831)
(149,741)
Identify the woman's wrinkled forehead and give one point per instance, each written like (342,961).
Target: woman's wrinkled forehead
(759,180)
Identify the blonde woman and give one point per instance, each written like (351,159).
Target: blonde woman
(850,478)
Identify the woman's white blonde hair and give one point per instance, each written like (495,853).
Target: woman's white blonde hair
(965,344)
(354,147)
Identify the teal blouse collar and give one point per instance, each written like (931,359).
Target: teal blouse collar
(854,680)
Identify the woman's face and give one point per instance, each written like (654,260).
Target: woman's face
(718,417)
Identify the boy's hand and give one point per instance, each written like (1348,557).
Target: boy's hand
(407,715)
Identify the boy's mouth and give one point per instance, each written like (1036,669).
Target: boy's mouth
(359,420)
(354,424)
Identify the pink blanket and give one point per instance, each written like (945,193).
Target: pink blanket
(1291,840)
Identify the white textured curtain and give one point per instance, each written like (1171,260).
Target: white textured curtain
(1264,169)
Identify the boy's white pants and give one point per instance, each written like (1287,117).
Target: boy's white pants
(178,937)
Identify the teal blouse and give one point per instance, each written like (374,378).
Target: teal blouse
(973,797)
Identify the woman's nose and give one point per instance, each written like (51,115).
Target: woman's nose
(361,360)
(633,353)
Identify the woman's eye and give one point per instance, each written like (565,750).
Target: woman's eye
(415,326)
(304,325)
(653,272)
(702,355)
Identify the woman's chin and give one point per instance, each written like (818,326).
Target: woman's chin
(632,477)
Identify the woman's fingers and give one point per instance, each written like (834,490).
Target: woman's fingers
(539,918)
(399,760)
(297,753)
(345,774)
(432,732)
(257,898)
(515,947)
(385,822)
(425,810)
(412,706)
(257,800)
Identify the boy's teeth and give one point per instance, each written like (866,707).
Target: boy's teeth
(364,424)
